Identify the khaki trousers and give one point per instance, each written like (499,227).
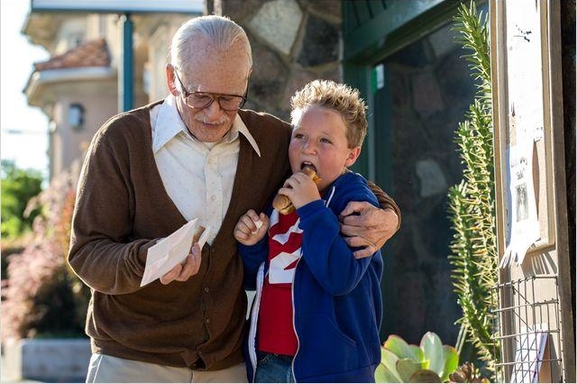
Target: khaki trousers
(110,369)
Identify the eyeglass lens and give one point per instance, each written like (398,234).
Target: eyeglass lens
(204,100)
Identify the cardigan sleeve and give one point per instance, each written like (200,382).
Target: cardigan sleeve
(385,201)
(102,252)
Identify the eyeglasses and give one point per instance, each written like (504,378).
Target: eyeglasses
(201,100)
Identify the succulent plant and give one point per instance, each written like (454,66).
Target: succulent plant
(429,362)
(467,373)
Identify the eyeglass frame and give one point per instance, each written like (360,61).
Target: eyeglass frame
(214,96)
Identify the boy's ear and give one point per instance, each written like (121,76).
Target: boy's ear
(353,156)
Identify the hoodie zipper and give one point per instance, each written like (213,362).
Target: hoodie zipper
(254,316)
(294,316)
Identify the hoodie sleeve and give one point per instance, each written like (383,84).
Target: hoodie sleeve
(252,257)
(325,251)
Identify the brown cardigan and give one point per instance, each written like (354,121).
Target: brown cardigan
(122,209)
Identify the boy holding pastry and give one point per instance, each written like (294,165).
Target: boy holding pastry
(317,310)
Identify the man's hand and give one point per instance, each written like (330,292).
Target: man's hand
(364,225)
(184,271)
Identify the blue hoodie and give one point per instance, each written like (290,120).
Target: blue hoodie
(336,298)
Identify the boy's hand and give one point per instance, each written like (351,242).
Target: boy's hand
(185,270)
(300,189)
(251,228)
(364,225)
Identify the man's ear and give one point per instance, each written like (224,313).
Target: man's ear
(171,80)
(353,156)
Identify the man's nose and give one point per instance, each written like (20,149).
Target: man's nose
(214,111)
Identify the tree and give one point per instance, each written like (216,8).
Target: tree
(41,296)
(19,186)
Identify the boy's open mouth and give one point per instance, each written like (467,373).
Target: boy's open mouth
(308,165)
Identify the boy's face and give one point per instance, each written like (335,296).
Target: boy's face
(319,139)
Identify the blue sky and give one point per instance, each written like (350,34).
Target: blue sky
(28,147)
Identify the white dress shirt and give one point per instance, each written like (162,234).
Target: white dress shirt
(197,176)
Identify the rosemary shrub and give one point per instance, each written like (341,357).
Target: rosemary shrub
(473,249)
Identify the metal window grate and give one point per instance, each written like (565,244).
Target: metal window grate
(529,330)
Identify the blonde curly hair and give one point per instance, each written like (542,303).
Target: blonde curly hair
(339,97)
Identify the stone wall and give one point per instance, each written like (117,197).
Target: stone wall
(430,89)
(45,360)
(293,43)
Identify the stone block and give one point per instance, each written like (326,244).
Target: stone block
(50,360)
(321,43)
(278,22)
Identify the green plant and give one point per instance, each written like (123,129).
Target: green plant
(429,362)
(18,188)
(471,202)
(42,297)
(467,373)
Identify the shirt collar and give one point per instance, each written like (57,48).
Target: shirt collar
(166,123)
(240,127)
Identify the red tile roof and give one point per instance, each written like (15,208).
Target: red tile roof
(91,54)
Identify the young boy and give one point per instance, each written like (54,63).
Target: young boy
(317,309)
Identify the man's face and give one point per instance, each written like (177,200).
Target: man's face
(212,72)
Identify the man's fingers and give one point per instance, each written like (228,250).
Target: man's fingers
(360,241)
(353,207)
(184,271)
(354,241)
(171,275)
(367,246)
(192,264)
(367,227)
(359,214)
(348,230)
(365,252)
(352,220)
(189,268)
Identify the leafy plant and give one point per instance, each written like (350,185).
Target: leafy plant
(18,187)
(471,202)
(42,297)
(429,362)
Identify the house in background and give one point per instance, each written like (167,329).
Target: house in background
(77,88)
(401,54)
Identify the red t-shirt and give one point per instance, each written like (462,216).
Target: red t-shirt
(276,331)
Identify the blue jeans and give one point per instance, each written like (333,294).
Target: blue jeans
(273,368)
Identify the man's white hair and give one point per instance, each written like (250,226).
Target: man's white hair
(221,31)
